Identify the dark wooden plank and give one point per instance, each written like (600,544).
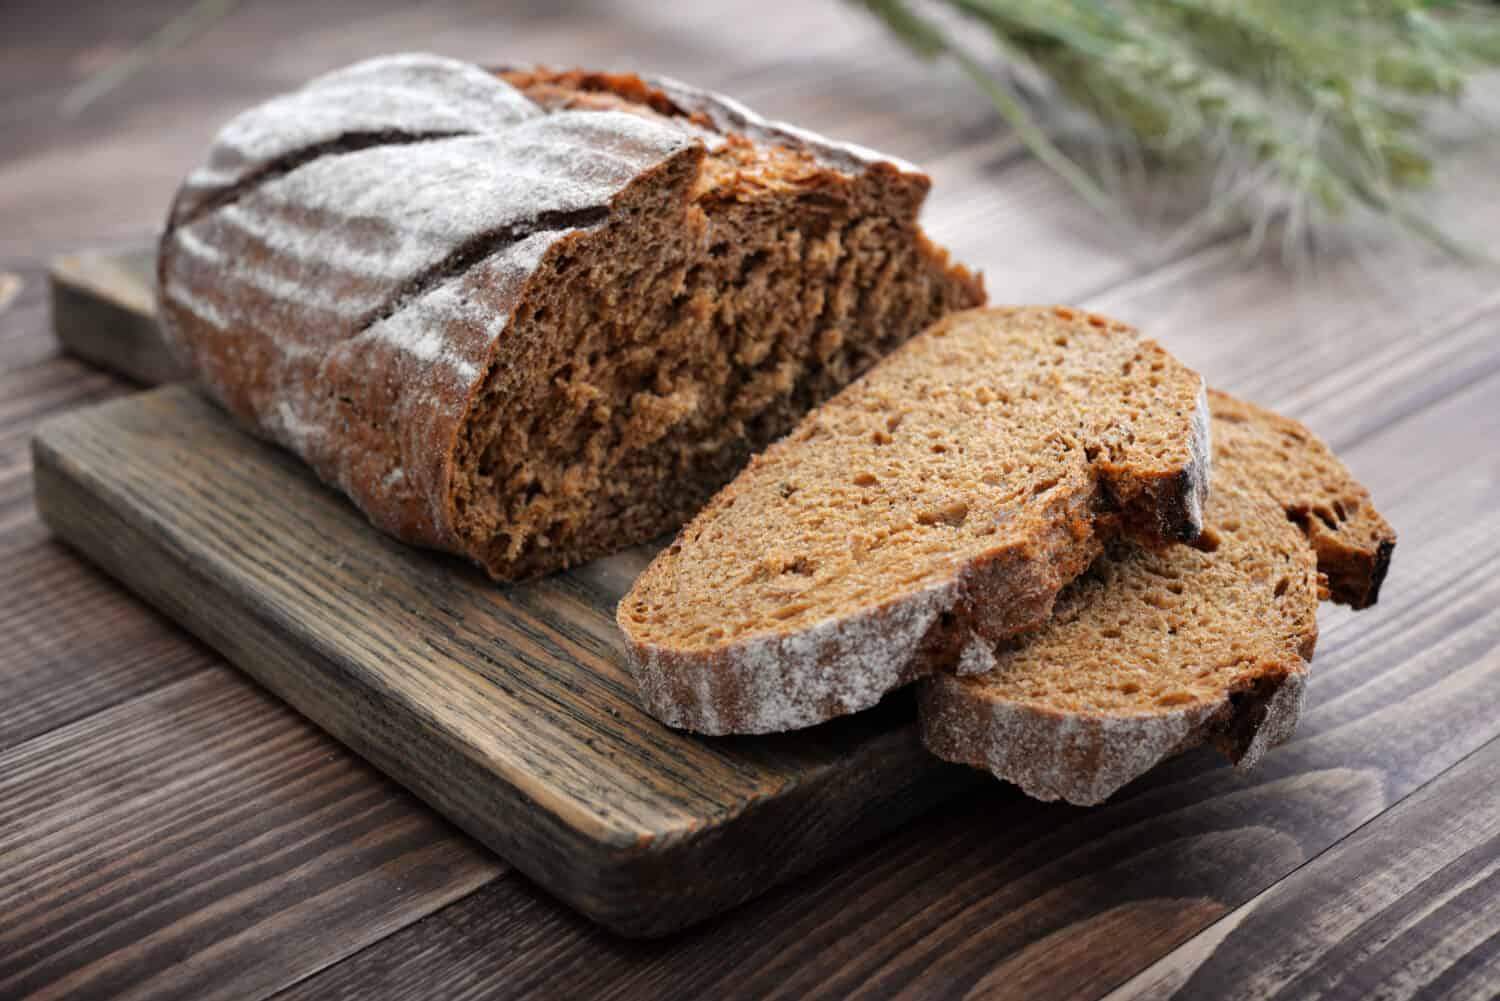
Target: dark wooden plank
(76,643)
(1002,897)
(103,312)
(1408,906)
(27,396)
(508,709)
(205,819)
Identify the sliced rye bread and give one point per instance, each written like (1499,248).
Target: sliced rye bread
(1155,651)
(533,317)
(951,492)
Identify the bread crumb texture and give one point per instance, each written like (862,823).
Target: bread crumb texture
(951,492)
(1157,650)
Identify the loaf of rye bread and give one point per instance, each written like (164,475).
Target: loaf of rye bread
(1158,650)
(532,317)
(948,494)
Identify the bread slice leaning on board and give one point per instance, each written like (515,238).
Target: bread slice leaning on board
(949,494)
(1158,650)
(531,317)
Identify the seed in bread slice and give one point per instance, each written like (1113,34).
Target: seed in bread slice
(1155,651)
(953,491)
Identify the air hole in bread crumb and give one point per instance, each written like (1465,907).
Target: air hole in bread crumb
(953,515)
(1174,698)
(1208,541)
(789,611)
(1282,585)
(1046,485)
(1129,688)
(801,565)
(866,480)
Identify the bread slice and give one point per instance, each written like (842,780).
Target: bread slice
(953,491)
(1156,650)
(532,317)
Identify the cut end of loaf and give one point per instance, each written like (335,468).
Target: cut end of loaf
(952,491)
(653,354)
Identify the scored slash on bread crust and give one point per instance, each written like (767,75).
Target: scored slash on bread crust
(952,492)
(533,317)
(1156,651)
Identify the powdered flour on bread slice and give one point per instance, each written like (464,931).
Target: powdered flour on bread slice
(953,491)
(1155,651)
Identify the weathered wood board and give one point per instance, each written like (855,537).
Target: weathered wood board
(103,311)
(508,709)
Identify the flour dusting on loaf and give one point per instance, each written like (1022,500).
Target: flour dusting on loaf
(534,317)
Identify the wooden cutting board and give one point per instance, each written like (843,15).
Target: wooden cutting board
(508,709)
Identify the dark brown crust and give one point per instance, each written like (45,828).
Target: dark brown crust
(1170,508)
(1084,760)
(367,383)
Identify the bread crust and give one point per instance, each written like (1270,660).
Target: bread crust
(787,681)
(1083,760)
(791,679)
(345,271)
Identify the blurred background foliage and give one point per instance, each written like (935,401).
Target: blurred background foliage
(1294,112)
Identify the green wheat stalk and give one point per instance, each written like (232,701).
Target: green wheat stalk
(1326,101)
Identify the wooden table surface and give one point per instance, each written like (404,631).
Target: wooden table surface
(167,829)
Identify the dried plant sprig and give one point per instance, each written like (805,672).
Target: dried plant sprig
(1327,102)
